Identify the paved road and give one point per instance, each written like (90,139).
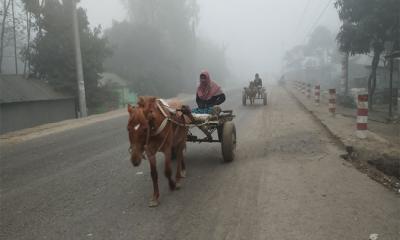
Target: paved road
(288,182)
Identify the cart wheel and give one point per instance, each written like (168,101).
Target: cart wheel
(244,99)
(265,99)
(228,141)
(220,130)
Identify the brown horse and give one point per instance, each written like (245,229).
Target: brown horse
(153,128)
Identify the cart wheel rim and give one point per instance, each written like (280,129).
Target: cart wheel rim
(233,143)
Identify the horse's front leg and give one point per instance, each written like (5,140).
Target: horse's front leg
(154,202)
(168,170)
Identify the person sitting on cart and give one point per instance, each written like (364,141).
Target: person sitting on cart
(209,94)
(258,84)
(258,80)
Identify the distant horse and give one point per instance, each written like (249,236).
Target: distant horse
(153,127)
(251,92)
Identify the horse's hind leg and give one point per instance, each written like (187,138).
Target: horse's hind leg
(183,171)
(173,154)
(167,170)
(183,165)
(154,202)
(180,167)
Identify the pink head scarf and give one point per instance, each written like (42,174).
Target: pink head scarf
(208,88)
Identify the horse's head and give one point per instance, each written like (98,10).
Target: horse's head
(140,118)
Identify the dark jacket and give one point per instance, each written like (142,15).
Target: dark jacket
(258,82)
(216,100)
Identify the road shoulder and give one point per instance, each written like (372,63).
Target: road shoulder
(376,156)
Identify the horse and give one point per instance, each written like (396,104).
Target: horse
(155,126)
(251,92)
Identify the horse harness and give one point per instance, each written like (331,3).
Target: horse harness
(161,105)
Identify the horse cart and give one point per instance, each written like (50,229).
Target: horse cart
(217,121)
(252,94)
(151,124)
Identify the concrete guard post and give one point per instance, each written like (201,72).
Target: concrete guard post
(308,90)
(332,101)
(362,116)
(317,94)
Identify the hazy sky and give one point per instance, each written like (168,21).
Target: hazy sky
(255,32)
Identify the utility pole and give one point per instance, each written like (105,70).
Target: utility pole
(391,89)
(345,73)
(345,67)
(78,61)
(15,38)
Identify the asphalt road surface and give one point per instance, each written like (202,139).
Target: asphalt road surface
(288,182)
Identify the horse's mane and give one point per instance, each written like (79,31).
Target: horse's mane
(145,104)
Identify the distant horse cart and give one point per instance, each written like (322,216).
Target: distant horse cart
(252,93)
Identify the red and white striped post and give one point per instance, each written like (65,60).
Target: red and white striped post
(317,94)
(332,101)
(308,90)
(362,116)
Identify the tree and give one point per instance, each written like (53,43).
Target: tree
(321,37)
(157,49)
(321,45)
(14,34)
(6,6)
(368,25)
(294,57)
(52,51)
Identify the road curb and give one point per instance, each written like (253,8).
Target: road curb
(57,127)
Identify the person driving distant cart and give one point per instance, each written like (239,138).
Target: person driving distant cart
(258,84)
(258,80)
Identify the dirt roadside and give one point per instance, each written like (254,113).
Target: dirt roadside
(51,128)
(376,156)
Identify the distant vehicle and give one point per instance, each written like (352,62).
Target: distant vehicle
(252,93)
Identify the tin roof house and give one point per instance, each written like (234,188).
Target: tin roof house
(26,103)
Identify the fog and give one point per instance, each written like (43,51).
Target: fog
(255,33)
